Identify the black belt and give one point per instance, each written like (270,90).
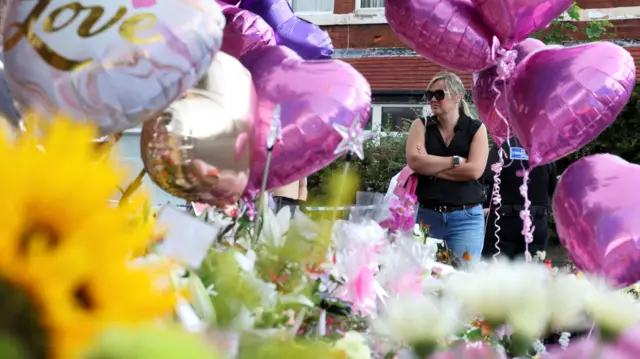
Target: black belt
(513,210)
(449,208)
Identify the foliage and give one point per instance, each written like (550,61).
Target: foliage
(384,157)
(562,29)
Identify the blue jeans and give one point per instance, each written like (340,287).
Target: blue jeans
(462,231)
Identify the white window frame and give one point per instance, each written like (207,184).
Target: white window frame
(376,115)
(368,10)
(376,119)
(302,14)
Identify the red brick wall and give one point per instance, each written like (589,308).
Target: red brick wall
(380,35)
(413,73)
(348,6)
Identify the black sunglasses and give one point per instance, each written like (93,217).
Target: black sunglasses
(437,94)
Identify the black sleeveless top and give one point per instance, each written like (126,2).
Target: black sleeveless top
(433,192)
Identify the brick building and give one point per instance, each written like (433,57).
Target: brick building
(362,37)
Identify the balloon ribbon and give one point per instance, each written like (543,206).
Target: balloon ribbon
(132,188)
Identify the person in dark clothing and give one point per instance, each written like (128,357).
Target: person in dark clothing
(542,183)
(449,153)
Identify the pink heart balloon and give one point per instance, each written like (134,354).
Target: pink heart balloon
(597,215)
(314,96)
(245,31)
(623,347)
(484,96)
(449,32)
(513,20)
(560,99)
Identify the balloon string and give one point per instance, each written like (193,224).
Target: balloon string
(505,67)
(496,199)
(343,185)
(132,188)
(262,202)
(525,215)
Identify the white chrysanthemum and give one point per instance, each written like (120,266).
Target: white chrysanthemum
(354,346)
(505,292)
(567,299)
(419,319)
(613,311)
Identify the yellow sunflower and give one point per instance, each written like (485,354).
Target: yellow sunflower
(64,252)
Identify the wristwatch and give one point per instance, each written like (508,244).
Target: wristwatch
(456,161)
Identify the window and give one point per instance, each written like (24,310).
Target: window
(128,149)
(396,118)
(311,6)
(370,4)
(369,124)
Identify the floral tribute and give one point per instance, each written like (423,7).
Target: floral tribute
(84,279)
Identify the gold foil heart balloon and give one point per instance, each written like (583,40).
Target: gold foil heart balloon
(198,148)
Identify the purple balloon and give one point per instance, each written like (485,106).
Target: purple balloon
(245,31)
(314,96)
(597,215)
(449,32)
(560,99)
(513,20)
(308,40)
(484,96)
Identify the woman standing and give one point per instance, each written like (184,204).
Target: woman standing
(449,152)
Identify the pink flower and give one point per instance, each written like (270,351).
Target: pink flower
(402,214)
(409,283)
(360,291)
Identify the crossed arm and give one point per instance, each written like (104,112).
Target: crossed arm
(442,166)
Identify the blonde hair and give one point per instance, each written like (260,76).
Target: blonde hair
(454,85)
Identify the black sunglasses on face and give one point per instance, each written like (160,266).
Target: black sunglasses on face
(437,94)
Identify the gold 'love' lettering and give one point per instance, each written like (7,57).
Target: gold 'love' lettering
(129,29)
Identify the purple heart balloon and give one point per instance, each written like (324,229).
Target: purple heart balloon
(314,96)
(513,20)
(597,215)
(449,32)
(560,99)
(484,96)
(306,39)
(244,32)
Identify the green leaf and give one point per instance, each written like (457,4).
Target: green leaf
(475,335)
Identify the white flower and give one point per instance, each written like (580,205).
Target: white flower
(247,261)
(268,292)
(567,299)
(505,292)
(419,319)
(274,227)
(354,346)
(613,311)
(245,320)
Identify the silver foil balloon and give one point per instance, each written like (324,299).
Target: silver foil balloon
(198,148)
